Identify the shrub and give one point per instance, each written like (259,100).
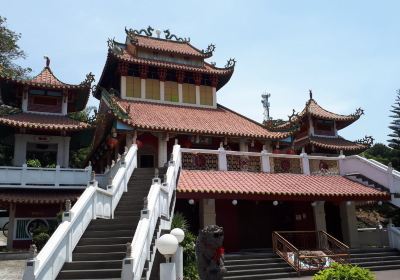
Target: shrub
(40,239)
(33,163)
(344,272)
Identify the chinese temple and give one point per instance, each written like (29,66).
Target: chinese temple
(38,133)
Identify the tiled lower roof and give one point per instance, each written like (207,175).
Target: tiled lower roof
(42,121)
(35,196)
(336,144)
(176,118)
(274,185)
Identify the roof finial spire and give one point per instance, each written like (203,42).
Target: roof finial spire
(47,61)
(310,91)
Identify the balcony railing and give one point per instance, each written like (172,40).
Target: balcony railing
(201,159)
(24,176)
(309,250)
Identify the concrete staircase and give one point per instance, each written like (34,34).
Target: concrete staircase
(100,251)
(262,264)
(360,178)
(376,259)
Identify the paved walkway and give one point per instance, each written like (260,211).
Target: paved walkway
(3,239)
(380,275)
(12,270)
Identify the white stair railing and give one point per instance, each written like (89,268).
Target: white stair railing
(394,236)
(93,203)
(159,211)
(378,172)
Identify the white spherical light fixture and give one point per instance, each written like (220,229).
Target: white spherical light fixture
(234,202)
(191,201)
(179,234)
(275,203)
(167,244)
(380,203)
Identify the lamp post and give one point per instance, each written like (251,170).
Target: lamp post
(167,245)
(178,257)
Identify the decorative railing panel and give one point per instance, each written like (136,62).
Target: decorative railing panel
(243,163)
(285,165)
(324,167)
(199,161)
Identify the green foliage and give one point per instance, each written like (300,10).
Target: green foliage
(33,163)
(6,155)
(78,157)
(394,141)
(40,237)
(344,272)
(10,51)
(86,115)
(383,154)
(188,244)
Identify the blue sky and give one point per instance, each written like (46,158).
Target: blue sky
(347,52)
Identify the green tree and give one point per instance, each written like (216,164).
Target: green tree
(10,51)
(394,141)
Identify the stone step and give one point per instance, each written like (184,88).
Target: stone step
(90,274)
(376,259)
(104,240)
(372,250)
(114,226)
(108,233)
(254,261)
(98,256)
(100,248)
(260,271)
(255,266)
(262,276)
(250,256)
(372,254)
(85,265)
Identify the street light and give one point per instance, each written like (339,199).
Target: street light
(178,257)
(167,244)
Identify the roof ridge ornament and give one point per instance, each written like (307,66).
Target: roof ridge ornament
(230,63)
(367,140)
(359,112)
(310,92)
(47,61)
(88,80)
(170,36)
(210,49)
(148,31)
(113,45)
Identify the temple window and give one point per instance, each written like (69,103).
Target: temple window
(133,86)
(324,127)
(152,89)
(206,95)
(189,93)
(49,101)
(171,91)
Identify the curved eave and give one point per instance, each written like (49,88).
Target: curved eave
(42,85)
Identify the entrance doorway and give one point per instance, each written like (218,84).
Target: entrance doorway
(44,155)
(146,161)
(333,220)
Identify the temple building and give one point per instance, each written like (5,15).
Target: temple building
(38,134)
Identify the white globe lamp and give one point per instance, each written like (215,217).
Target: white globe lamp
(179,234)
(275,203)
(167,245)
(234,202)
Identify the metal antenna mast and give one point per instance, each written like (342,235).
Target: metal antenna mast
(265,102)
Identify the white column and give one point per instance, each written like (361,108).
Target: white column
(349,223)
(207,212)
(265,164)
(243,145)
(214,93)
(335,128)
(162,90)
(180,93)
(222,162)
(305,163)
(123,87)
(25,97)
(64,108)
(143,88)
(19,149)
(167,271)
(66,151)
(197,95)
(319,215)
(60,153)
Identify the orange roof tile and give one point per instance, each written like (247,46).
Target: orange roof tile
(179,47)
(333,143)
(265,184)
(196,120)
(316,110)
(37,196)
(41,121)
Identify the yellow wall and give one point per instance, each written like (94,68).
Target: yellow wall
(152,89)
(189,93)
(206,95)
(171,91)
(132,86)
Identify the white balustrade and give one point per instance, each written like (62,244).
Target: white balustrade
(24,176)
(394,236)
(93,203)
(160,208)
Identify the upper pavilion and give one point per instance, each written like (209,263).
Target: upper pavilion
(317,130)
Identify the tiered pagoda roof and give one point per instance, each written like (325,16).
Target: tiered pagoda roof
(126,59)
(187,119)
(336,144)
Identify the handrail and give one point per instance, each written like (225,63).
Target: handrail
(319,251)
(154,218)
(394,236)
(94,202)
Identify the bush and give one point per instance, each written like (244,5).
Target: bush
(344,272)
(40,239)
(33,163)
